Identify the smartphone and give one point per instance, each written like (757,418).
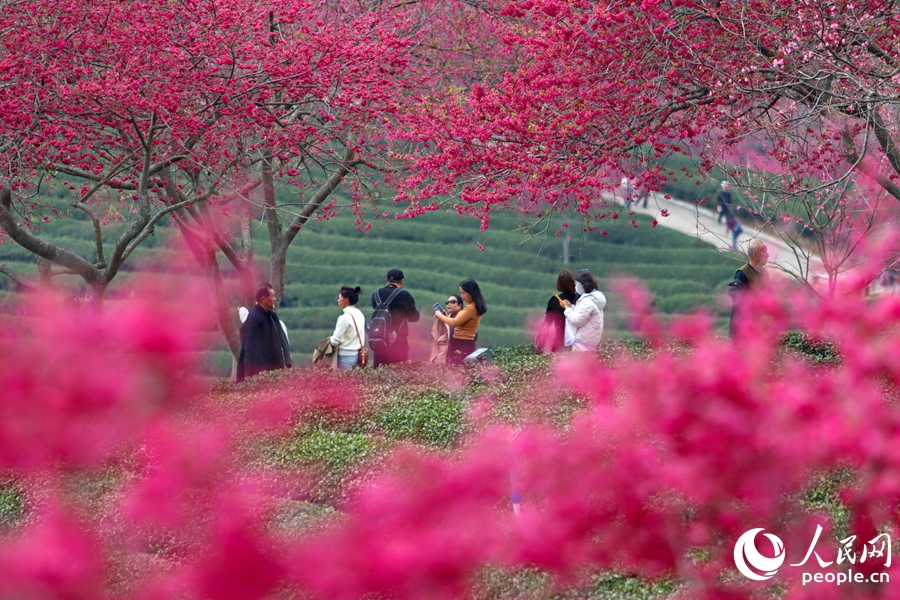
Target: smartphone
(437,307)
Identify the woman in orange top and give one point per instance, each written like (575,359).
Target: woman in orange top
(464,326)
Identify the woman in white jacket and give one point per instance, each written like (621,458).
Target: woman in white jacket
(350,330)
(585,317)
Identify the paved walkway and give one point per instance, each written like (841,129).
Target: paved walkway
(691,219)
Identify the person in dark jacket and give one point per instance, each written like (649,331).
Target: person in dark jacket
(552,331)
(723,202)
(264,344)
(751,276)
(403,310)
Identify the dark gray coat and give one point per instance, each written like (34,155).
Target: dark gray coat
(264,345)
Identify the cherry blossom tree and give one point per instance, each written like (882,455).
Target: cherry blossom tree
(132,111)
(145,113)
(327,125)
(813,84)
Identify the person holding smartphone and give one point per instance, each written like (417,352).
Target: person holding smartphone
(586,315)
(465,324)
(441,332)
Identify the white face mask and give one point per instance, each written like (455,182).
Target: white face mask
(579,289)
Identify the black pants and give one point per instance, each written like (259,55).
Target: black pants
(724,212)
(458,350)
(399,352)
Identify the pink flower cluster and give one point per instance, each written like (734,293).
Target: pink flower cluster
(670,459)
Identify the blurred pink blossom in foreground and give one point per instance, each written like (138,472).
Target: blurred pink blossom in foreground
(668,460)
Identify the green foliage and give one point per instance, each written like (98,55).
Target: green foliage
(502,584)
(817,352)
(505,584)
(217,361)
(432,419)
(615,586)
(521,360)
(334,458)
(333,450)
(824,495)
(683,303)
(11,503)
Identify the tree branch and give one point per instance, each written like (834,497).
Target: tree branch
(887,143)
(98,234)
(319,197)
(143,201)
(151,226)
(35,245)
(272,221)
(22,281)
(229,248)
(856,161)
(90,177)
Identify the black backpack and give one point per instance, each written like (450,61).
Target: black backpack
(381,333)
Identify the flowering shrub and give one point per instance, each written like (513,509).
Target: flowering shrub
(131,484)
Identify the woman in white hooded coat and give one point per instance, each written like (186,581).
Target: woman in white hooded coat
(584,319)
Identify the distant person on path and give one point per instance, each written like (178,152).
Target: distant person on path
(264,343)
(751,276)
(732,226)
(551,335)
(643,193)
(723,202)
(350,330)
(465,324)
(441,332)
(586,316)
(388,329)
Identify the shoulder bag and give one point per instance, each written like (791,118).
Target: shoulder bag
(362,356)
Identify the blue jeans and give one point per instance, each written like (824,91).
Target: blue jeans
(346,361)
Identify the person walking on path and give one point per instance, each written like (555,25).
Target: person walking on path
(585,317)
(388,328)
(350,329)
(734,228)
(264,343)
(465,324)
(751,276)
(723,202)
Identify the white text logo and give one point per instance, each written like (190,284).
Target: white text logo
(745,552)
(753,565)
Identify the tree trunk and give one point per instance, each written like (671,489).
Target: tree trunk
(224,316)
(45,273)
(246,276)
(277,269)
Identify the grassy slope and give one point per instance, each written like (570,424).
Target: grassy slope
(436,252)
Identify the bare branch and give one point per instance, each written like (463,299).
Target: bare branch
(22,281)
(141,223)
(35,245)
(855,159)
(319,197)
(98,234)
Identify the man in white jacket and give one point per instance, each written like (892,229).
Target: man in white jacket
(584,319)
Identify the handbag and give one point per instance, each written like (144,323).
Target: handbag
(362,355)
